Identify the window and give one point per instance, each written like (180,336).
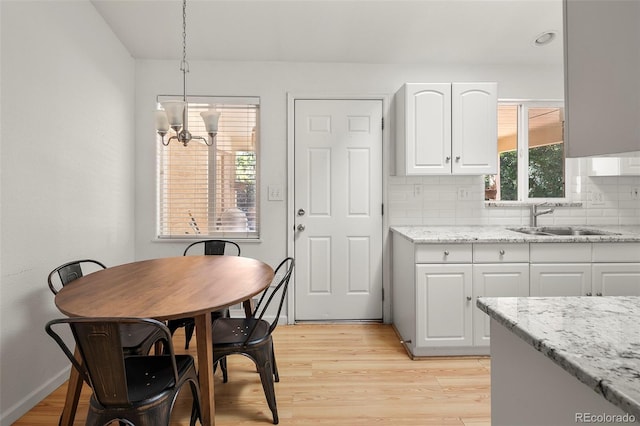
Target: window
(212,191)
(531,152)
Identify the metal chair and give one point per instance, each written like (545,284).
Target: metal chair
(136,341)
(135,390)
(251,337)
(208,247)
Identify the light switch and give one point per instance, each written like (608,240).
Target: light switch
(276,193)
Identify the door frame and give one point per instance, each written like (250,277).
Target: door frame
(386,150)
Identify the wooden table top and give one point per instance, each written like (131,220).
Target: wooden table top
(165,288)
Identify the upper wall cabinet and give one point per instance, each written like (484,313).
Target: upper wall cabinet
(614,166)
(602,84)
(446,128)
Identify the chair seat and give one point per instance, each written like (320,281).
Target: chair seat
(149,376)
(138,340)
(232,332)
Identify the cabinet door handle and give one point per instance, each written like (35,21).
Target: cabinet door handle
(598,294)
(457,158)
(589,293)
(469,298)
(448,159)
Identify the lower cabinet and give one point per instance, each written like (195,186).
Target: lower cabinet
(583,269)
(443,305)
(496,280)
(435,285)
(561,279)
(616,279)
(616,269)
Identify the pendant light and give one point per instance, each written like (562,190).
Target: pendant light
(175,114)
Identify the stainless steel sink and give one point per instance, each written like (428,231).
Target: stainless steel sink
(560,230)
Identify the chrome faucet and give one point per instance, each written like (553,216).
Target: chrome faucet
(535,212)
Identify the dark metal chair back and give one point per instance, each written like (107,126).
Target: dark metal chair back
(69,272)
(281,276)
(215,247)
(138,390)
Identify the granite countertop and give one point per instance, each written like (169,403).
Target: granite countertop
(596,339)
(496,234)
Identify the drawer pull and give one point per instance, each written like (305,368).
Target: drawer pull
(502,252)
(446,252)
(589,293)
(598,294)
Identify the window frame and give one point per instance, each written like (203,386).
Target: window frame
(523,151)
(219,101)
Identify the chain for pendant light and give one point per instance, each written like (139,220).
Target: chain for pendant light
(181,127)
(184,65)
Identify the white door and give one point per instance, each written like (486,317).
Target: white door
(338,209)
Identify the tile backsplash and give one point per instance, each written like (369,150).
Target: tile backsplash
(459,200)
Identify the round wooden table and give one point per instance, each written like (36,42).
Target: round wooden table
(167,288)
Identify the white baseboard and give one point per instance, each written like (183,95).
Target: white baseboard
(31,400)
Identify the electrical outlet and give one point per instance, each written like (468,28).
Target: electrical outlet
(463,193)
(417,190)
(597,198)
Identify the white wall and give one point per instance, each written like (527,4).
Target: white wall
(67,175)
(272,82)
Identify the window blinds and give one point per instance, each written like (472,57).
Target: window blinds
(211,191)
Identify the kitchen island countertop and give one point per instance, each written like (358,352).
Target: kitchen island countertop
(595,339)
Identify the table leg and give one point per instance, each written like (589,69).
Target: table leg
(248,307)
(205,367)
(74,387)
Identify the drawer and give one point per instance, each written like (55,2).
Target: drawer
(443,253)
(560,252)
(616,252)
(500,253)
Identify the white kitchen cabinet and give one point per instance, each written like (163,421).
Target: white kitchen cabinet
(560,269)
(601,77)
(496,280)
(499,270)
(575,269)
(616,269)
(443,305)
(616,279)
(560,279)
(446,128)
(614,166)
(436,285)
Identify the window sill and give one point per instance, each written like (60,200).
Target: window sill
(490,204)
(204,237)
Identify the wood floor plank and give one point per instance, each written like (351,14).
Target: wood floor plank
(342,374)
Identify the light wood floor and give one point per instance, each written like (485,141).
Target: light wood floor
(333,375)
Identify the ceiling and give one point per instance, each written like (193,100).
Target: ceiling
(355,31)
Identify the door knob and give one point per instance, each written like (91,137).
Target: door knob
(300,227)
